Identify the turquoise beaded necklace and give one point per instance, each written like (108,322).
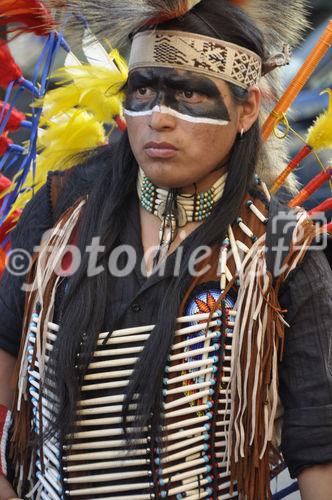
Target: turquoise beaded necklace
(190,208)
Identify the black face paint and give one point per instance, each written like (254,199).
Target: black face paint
(190,97)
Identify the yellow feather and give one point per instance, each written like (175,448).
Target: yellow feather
(72,119)
(73,132)
(59,100)
(320,133)
(60,142)
(92,88)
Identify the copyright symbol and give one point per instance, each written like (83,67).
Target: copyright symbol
(18,262)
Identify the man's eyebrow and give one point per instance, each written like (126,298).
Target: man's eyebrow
(203,85)
(143,77)
(152,76)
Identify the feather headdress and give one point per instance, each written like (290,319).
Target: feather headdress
(280,22)
(283,21)
(125,17)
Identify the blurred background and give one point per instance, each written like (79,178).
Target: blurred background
(310,103)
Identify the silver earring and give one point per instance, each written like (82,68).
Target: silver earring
(242,132)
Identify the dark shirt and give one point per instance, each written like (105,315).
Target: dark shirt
(305,373)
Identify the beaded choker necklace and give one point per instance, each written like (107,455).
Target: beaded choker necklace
(175,210)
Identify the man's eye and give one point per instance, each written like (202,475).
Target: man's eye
(144,92)
(190,96)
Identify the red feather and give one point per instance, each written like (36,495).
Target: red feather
(5,142)
(2,261)
(9,70)
(120,123)
(5,183)
(5,229)
(32,14)
(15,118)
(9,224)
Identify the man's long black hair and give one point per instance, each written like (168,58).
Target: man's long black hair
(85,303)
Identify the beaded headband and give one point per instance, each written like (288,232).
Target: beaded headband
(197,53)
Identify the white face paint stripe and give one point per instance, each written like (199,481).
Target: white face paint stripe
(169,111)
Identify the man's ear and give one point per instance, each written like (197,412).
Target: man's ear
(250,109)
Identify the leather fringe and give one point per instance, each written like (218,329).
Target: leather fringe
(43,278)
(258,341)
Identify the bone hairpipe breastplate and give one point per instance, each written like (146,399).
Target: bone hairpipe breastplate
(96,460)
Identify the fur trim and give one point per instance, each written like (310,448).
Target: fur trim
(116,19)
(280,22)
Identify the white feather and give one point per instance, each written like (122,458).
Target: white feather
(71,60)
(95,52)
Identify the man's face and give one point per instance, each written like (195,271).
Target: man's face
(181,125)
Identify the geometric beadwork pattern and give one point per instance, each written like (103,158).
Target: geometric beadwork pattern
(196,53)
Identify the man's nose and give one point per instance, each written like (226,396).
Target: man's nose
(161,119)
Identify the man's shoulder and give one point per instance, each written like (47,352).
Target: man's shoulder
(66,187)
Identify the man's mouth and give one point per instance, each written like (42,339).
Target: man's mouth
(160,150)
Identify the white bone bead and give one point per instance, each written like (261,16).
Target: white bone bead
(186,411)
(183,454)
(102,400)
(187,388)
(127,331)
(189,474)
(108,489)
(99,433)
(186,423)
(190,365)
(186,487)
(192,353)
(101,455)
(182,466)
(242,246)
(183,444)
(186,433)
(106,385)
(104,409)
(189,376)
(195,340)
(188,399)
(91,422)
(124,340)
(106,465)
(109,375)
(98,478)
(118,352)
(112,363)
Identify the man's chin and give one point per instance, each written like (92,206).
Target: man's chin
(164,174)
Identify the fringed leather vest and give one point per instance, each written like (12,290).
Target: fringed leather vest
(220,385)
